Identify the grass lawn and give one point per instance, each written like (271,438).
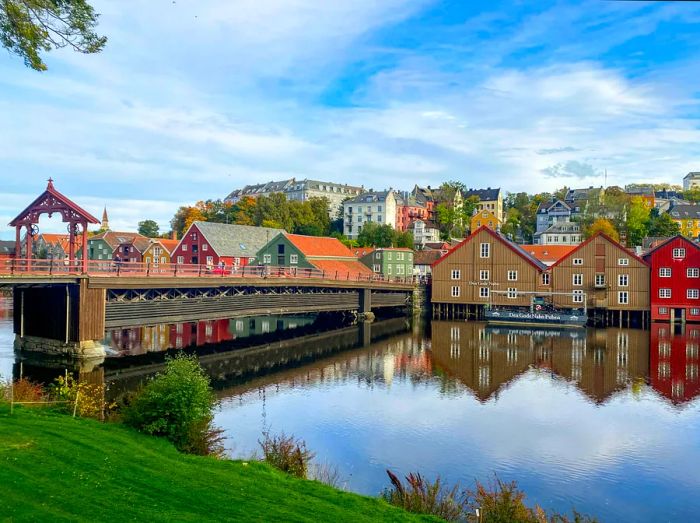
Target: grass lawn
(55,468)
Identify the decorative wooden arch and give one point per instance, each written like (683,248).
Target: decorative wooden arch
(49,202)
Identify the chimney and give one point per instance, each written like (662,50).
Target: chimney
(173,235)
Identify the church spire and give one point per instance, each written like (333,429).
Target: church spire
(105,220)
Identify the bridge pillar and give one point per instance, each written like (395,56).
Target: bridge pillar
(365,300)
(66,320)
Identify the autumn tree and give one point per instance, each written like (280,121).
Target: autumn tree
(30,27)
(602,225)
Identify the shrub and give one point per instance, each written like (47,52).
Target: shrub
(88,396)
(4,391)
(177,404)
(286,453)
(327,474)
(24,390)
(424,497)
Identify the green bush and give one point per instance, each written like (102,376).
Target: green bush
(178,404)
(286,453)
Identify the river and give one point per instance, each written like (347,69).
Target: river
(606,421)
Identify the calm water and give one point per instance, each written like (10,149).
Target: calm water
(607,421)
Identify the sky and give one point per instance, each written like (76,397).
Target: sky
(191,100)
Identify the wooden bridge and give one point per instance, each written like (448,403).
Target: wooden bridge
(62,308)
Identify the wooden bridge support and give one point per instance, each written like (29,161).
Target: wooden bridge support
(66,319)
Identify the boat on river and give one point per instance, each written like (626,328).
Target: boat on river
(541,312)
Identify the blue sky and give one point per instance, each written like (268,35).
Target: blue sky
(192,99)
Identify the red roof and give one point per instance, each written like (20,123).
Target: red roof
(342,267)
(516,249)
(548,254)
(169,245)
(362,251)
(319,246)
(589,240)
(62,240)
(59,203)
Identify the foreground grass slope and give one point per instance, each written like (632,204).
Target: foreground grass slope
(55,468)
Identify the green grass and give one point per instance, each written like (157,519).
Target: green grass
(56,468)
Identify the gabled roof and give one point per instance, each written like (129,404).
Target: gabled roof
(362,251)
(140,243)
(682,211)
(426,257)
(695,174)
(7,247)
(487,194)
(115,238)
(370,197)
(322,246)
(351,267)
(561,227)
(62,240)
(665,242)
(58,201)
(498,237)
(168,244)
(437,246)
(589,240)
(544,207)
(548,254)
(239,241)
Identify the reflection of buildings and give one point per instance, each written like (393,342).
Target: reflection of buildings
(5,308)
(140,340)
(674,361)
(485,358)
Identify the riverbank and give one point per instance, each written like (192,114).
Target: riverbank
(54,467)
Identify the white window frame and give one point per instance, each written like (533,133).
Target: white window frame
(678,253)
(692,294)
(623,261)
(623,280)
(600,279)
(455,274)
(692,272)
(577,296)
(267,258)
(577,279)
(377,267)
(455,291)
(205,246)
(484,250)
(184,247)
(210,260)
(578,261)
(512,293)
(484,292)
(665,272)
(623,297)
(512,275)
(546,278)
(664,293)
(180,260)
(293,259)
(484,275)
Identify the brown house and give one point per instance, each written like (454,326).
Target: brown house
(603,275)
(485,268)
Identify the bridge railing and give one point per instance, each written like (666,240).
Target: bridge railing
(110,268)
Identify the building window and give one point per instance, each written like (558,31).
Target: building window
(205,247)
(378,255)
(184,247)
(455,274)
(180,259)
(577,279)
(545,278)
(693,272)
(237,262)
(293,259)
(455,292)
(377,268)
(194,236)
(388,269)
(694,312)
(267,258)
(578,261)
(483,292)
(485,250)
(577,296)
(663,310)
(679,253)
(484,275)
(623,297)
(512,275)
(664,293)
(210,260)
(600,280)
(693,294)
(399,269)
(665,272)
(623,280)
(512,293)
(623,261)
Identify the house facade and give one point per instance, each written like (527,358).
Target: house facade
(559,233)
(311,252)
(580,199)
(7,250)
(102,246)
(51,246)
(489,200)
(551,212)
(424,232)
(691,181)
(378,207)
(389,262)
(487,218)
(206,243)
(408,210)
(423,262)
(132,250)
(601,274)
(159,252)
(687,216)
(301,190)
(486,268)
(675,280)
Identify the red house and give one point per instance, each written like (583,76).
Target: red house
(675,280)
(207,243)
(131,250)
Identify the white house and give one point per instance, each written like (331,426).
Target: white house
(379,207)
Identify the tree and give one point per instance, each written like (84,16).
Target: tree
(28,27)
(404,239)
(375,235)
(604,226)
(661,225)
(637,222)
(148,228)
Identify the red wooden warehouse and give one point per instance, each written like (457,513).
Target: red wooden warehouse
(675,280)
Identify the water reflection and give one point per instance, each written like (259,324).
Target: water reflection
(674,362)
